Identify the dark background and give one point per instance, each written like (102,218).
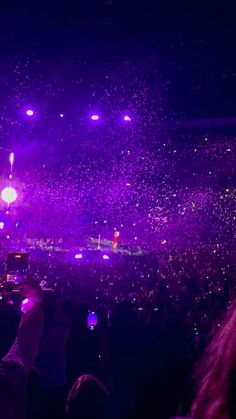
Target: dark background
(194,43)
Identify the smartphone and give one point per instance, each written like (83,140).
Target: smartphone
(92,320)
(17,267)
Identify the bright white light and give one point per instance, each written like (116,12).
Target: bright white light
(127,118)
(106,257)
(9,195)
(29,112)
(1,225)
(79,256)
(61,115)
(95,117)
(11,158)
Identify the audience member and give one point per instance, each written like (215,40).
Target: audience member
(15,366)
(217,374)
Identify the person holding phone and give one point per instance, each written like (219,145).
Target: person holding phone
(17,267)
(15,366)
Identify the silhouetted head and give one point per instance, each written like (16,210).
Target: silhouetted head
(87,399)
(217,374)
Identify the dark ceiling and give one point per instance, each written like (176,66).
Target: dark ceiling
(194,43)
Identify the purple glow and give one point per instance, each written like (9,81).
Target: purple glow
(29,112)
(9,195)
(24,305)
(95,117)
(105,257)
(61,115)
(27,305)
(79,256)
(92,320)
(127,118)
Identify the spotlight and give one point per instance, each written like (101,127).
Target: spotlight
(79,256)
(105,257)
(127,118)
(95,117)
(29,112)
(9,195)
(1,225)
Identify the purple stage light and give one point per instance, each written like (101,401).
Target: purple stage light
(29,112)
(9,195)
(127,118)
(105,257)
(92,320)
(95,117)
(79,256)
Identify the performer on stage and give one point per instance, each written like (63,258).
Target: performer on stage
(115,240)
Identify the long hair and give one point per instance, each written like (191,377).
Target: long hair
(216,374)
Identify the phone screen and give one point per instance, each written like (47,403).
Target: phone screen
(92,320)
(17,267)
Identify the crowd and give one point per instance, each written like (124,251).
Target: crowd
(119,339)
(102,131)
